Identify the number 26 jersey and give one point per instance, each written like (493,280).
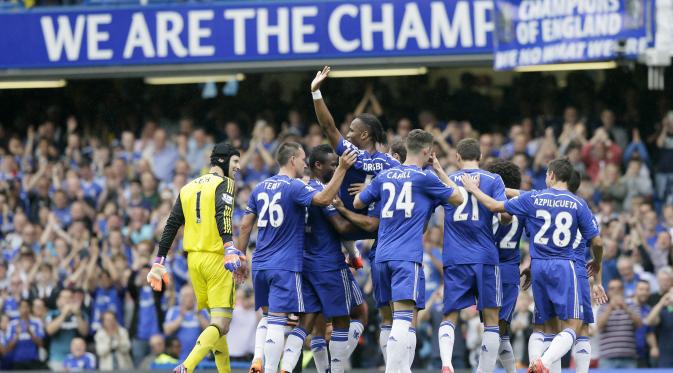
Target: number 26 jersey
(280,205)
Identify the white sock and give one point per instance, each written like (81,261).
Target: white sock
(260,337)
(383,340)
(320,355)
(338,348)
(582,354)
(560,346)
(490,342)
(275,342)
(398,360)
(293,347)
(506,355)
(446,337)
(412,346)
(354,333)
(536,346)
(555,367)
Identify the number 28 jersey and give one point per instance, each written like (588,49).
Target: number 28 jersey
(407,196)
(553,219)
(280,205)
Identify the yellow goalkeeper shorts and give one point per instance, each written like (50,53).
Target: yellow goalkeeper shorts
(213,285)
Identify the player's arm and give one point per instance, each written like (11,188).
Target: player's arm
(511,193)
(367,223)
(456,197)
(159,273)
(325,196)
(472,186)
(247,222)
(321,111)
(224,211)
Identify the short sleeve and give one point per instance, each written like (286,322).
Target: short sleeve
(329,211)
(436,189)
(586,222)
(251,207)
(172,314)
(371,193)
(520,205)
(498,192)
(301,193)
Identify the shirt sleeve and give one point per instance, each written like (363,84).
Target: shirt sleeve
(436,188)
(171,315)
(329,211)
(587,224)
(371,193)
(361,158)
(498,192)
(251,207)
(520,205)
(175,220)
(224,209)
(302,194)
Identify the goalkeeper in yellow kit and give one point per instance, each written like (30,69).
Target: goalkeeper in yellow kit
(205,207)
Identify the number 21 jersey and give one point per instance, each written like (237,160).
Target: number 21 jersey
(280,205)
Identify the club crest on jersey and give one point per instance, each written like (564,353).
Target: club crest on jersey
(227,199)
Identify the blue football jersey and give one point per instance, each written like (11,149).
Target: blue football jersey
(280,205)
(507,239)
(553,219)
(407,196)
(365,165)
(468,228)
(582,251)
(322,248)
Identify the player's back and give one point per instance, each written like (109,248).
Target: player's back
(198,206)
(322,248)
(280,205)
(468,229)
(407,196)
(554,218)
(507,238)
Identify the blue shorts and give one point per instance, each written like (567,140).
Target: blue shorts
(585,302)
(469,284)
(376,287)
(401,280)
(358,298)
(555,290)
(279,290)
(509,276)
(329,292)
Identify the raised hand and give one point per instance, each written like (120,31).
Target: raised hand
(320,77)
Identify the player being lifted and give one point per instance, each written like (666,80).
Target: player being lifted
(278,204)
(470,256)
(554,218)
(205,207)
(407,195)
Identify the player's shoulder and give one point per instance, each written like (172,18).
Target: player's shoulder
(316,184)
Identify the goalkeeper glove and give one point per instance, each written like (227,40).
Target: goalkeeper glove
(158,274)
(232,257)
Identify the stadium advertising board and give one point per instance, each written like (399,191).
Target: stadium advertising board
(244,32)
(534,32)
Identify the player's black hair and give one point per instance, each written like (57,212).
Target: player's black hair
(417,140)
(562,169)
(319,154)
(508,171)
(221,155)
(374,127)
(469,149)
(398,147)
(286,151)
(574,182)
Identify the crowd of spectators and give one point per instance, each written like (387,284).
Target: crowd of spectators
(86,186)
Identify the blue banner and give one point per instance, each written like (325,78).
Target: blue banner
(535,32)
(244,32)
